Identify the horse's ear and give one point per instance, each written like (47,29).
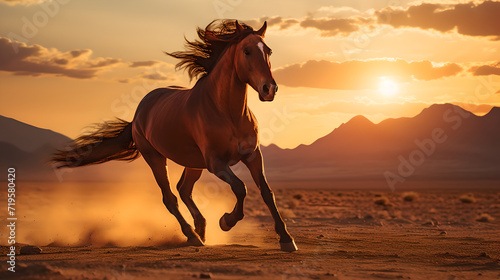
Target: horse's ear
(262,30)
(239,28)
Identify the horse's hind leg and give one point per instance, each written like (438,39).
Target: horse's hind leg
(185,188)
(157,162)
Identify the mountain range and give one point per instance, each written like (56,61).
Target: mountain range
(443,142)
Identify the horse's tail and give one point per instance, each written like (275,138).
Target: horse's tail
(109,141)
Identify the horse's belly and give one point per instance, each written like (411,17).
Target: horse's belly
(182,153)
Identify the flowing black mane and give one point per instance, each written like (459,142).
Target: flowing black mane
(201,55)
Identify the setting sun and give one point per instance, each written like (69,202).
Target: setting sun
(387,87)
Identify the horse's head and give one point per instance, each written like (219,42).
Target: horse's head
(253,65)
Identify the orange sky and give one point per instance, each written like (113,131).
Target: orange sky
(65,64)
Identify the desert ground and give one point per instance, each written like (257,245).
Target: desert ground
(341,234)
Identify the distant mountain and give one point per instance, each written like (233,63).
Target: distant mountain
(443,142)
(28,149)
(27,137)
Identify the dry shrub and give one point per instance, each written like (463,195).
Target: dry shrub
(485,218)
(410,196)
(467,198)
(381,201)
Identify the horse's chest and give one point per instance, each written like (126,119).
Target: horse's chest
(247,143)
(241,143)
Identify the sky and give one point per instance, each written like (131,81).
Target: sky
(65,64)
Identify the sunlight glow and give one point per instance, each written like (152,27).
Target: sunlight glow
(387,87)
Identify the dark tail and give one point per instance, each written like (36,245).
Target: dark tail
(110,141)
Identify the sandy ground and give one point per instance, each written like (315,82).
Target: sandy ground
(340,235)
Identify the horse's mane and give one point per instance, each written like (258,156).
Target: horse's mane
(201,56)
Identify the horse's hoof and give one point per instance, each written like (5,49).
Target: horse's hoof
(195,241)
(222,223)
(289,246)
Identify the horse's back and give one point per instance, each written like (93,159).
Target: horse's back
(155,95)
(163,120)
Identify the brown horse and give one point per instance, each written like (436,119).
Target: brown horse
(206,127)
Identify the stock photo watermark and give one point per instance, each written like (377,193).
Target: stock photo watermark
(425,148)
(221,7)
(11,218)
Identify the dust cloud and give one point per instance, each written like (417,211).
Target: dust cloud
(111,214)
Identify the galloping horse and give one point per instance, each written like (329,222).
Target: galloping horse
(206,127)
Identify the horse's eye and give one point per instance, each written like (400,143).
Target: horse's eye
(246,51)
(270,52)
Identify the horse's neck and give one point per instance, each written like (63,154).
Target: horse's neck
(227,91)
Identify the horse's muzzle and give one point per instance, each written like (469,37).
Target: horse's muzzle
(268,91)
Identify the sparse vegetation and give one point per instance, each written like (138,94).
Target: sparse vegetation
(298,196)
(467,198)
(410,196)
(382,200)
(485,218)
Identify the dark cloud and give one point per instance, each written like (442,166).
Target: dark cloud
(272,21)
(155,76)
(35,60)
(124,81)
(357,74)
(288,23)
(61,61)
(485,70)
(327,26)
(472,19)
(146,63)
(77,53)
(468,19)
(333,27)
(103,62)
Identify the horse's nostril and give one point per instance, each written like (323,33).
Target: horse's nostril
(265,88)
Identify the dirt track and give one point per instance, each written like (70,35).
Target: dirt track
(340,235)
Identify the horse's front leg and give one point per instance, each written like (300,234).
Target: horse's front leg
(222,170)
(256,167)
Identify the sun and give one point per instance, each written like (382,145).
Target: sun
(387,87)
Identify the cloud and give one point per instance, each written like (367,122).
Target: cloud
(472,19)
(357,74)
(146,63)
(485,70)
(327,26)
(273,21)
(330,27)
(35,60)
(155,76)
(103,62)
(124,81)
